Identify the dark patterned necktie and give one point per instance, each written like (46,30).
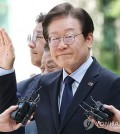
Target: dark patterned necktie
(67,96)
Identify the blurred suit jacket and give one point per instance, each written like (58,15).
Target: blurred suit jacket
(104,87)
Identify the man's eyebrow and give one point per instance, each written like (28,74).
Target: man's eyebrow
(66,30)
(50,61)
(70,29)
(39,32)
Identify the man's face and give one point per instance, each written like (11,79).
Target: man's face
(37,46)
(48,64)
(71,56)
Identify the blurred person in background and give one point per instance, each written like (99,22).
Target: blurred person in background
(36,43)
(47,63)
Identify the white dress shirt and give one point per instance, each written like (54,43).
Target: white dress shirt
(5,71)
(77,75)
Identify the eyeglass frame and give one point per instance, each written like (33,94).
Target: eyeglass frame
(33,38)
(59,39)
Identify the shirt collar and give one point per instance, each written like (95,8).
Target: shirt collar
(80,71)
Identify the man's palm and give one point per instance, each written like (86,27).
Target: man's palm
(7,55)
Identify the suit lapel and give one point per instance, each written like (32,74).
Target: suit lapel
(54,91)
(84,89)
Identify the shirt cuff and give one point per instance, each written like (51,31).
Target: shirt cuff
(4,71)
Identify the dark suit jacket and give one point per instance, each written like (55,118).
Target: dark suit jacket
(105,88)
(7,101)
(27,87)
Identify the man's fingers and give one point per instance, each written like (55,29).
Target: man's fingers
(98,124)
(16,126)
(7,40)
(94,121)
(28,122)
(1,38)
(11,109)
(31,117)
(111,108)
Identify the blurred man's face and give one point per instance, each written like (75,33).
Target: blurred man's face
(47,63)
(37,45)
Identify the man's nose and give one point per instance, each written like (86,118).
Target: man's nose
(32,45)
(61,44)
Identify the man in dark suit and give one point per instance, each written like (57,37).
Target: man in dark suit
(69,32)
(36,45)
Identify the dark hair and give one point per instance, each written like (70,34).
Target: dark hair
(46,47)
(40,18)
(66,9)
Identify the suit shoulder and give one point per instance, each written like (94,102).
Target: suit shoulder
(102,71)
(50,76)
(24,85)
(29,79)
(109,74)
(109,78)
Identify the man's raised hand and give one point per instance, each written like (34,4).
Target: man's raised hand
(7,55)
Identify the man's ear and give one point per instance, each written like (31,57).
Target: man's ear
(89,40)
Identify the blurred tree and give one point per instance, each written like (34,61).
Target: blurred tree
(110,52)
(3,13)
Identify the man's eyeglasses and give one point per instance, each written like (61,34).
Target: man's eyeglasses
(34,38)
(68,39)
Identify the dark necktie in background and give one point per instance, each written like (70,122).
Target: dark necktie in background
(67,97)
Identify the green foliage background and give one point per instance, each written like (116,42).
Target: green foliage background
(110,49)
(3,13)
